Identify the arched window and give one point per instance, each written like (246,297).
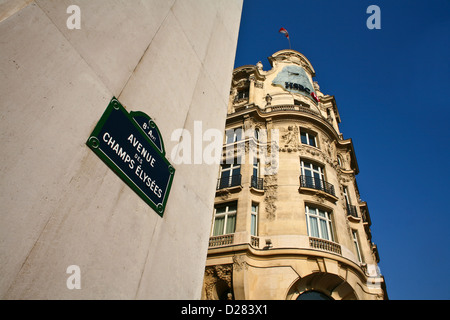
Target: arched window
(339,160)
(224,292)
(313,295)
(256,134)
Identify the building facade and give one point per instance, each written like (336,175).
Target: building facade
(70,228)
(288,220)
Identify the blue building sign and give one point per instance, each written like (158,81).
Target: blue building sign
(132,146)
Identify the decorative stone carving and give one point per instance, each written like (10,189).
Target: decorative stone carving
(214,274)
(290,138)
(319,197)
(259,66)
(270,195)
(242,83)
(248,123)
(239,263)
(316,86)
(259,84)
(329,147)
(268,100)
(295,58)
(224,194)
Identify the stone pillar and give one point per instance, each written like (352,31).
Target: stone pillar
(251,90)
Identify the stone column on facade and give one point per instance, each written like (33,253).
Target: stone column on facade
(240,288)
(233,93)
(251,91)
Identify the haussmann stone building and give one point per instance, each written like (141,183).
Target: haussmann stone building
(288,220)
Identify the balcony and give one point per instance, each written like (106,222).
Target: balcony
(351,211)
(222,240)
(257,183)
(241,96)
(282,242)
(241,238)
(254,241)
(317,184)
(326,245)
(291,107)
(229,182)
(233,239)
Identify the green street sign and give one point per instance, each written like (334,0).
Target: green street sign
(132,146)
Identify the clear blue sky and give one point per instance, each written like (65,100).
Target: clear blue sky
(391,87)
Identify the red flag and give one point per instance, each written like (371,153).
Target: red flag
(313,94)
(284,31)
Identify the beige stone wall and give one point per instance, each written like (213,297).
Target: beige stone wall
(59,203)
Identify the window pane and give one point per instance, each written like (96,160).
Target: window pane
(303,138)
(314,232)
(231,224)
(225,173)
(218,226)
(230,136)
(236,171)
(308,172)
(312,141)
(238,134)
(220,210)
(232,208)
(253,226)
(324,229)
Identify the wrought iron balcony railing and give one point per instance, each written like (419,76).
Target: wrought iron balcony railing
(351,211)
(257,183)
(317,183)
(228,182)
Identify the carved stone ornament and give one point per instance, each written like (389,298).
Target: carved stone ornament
(215,274)
(239,263)
(290,138)
(319,197)
(316,86)
(270,195)
(259,84)
(268,100)
(224,194)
